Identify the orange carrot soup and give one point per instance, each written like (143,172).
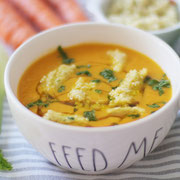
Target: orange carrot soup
(94,85)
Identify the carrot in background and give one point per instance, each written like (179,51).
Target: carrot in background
(69,10)
(38,12)
(14,30)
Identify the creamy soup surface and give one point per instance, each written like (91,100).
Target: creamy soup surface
(94,85)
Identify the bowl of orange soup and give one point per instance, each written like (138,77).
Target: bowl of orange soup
(93,98)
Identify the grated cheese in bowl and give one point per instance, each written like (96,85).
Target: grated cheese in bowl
(144,14)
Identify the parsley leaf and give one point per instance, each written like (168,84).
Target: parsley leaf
(159,85)
(153,105)
(108,74)
(96,81)
(4,164)
(147,78)
(65,58)
(163,102)
(164,75)
(61,88)
(83,66)
(37,103)
(87,73)
(90,115)
(98,91)
(71,118)
(153,112)
(109,98)
(75,109)
(134,116)
(114,87)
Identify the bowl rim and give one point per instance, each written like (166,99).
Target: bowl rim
(39,119)
(104,19)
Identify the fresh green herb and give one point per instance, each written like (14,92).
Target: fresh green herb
(159,85)
(109,97)
(96,81)
(114,87)
(98,91)
(90,115)
(108,74)
(134,116)
(156,105)
(153,82)
(147,78)
(75,109)
(68,61)
(4,164)
(61,88)
(87,73)
(164,83)
(153,105)
(153,112)
(65,58)
(71,118)
(164,75)
(163,102)
(83,66)
(37,103)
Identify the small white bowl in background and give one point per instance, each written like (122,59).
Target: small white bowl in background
(95,150)
(98,8)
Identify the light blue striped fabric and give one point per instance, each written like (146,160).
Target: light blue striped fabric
(28,164)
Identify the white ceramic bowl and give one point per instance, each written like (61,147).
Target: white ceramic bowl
(98,10)
(102,149)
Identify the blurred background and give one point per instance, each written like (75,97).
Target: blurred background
(21,19)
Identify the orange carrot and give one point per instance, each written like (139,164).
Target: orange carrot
(38,12)
(69,10)
(13,28)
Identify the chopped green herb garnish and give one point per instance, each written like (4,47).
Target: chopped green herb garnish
(153,105)
(71,118)
(90,115)
(152,82)
(75,109)
(37,103)
(134,116)
(163,102)
(114,87)
(4,164)
(98,91)
(68,61)
(164,75)
(65,58)
(159,85)
(87,73)
(83,66)
(61,88)
(108,74)
(164,83)
(96,81)
(156,105)
(153,112)
(147,78)
(109,97)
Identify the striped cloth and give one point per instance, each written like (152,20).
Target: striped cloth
(28,164)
